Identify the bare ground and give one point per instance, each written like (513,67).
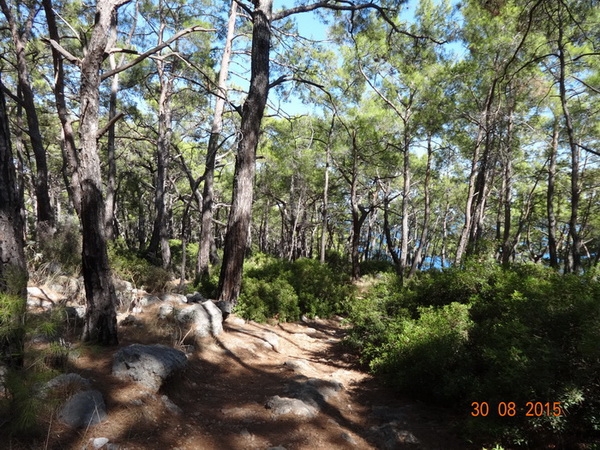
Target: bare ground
(220,398)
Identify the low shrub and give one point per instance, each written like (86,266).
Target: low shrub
(129,266)
(277,288)
(484,333)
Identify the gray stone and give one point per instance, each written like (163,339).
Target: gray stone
(389,436)
(272,340)
(165,311)
(196,297)
(171,406)
(174,298)
(129,320)
(292,406)
(75,313)
(83,409)
(205,317)
(314,391)
(297,365)
(215,316)
(149,365)
(348,438)
(147,300)
(71,381)
(99,442)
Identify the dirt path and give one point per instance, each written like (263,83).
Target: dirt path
(219,401)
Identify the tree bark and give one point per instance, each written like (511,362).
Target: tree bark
(573,262)
(160,234)
(100,321)
(68,147)
(236,238)
(552,243)
(20,36)
(207,237)
(13,270)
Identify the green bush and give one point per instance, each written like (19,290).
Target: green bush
(484,333)
(276,288)
(129,266)
(424,356)
(262,300)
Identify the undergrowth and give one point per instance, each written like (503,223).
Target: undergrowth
(482,333)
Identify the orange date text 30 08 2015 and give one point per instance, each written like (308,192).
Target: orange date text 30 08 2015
(512,409)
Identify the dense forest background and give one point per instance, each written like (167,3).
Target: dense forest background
(452,148)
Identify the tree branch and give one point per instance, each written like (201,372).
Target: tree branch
(110,123)
(587,149)
(154,50)
(60,49)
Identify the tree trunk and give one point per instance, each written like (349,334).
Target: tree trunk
(552,245)
(160,233)
(573,263)
(68,147)
(207,236)
(13,270)
(236,238)
(20,35)
(426,214)
(100,321)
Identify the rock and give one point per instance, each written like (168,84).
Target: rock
(129,320)
(83,409)
(38,298)
(174,298)
(314,391)
(149,365)
(75,313)
(147,300)
(196,297)
(165,311)
(67,286)
(293,406)
(206,319)
(297,365)
(390,437)
(234,320)
(225,307)
(68,381)
(216,317)
(348,438)
(99,442)
(272,340)
(171,406)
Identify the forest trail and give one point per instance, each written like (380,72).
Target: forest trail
(219,401)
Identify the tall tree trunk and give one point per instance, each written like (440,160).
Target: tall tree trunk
(100,321)
(507,242)
(574,260)
(236,238)
(324,209)
(207,250)
(68,147)
(160,233)
(13,270)
(406,175)
(111,176)
(476,182)
(20,36)
(426,213)
(552,244)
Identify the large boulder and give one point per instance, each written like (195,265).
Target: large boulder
(206,319)
(83,409)
(149,365)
